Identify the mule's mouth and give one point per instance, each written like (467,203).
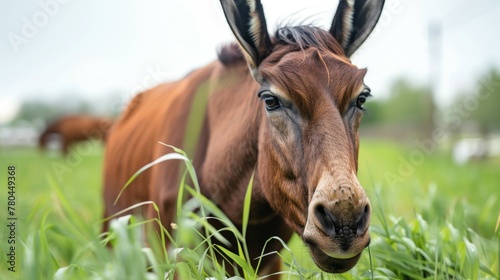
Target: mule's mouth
(331,264)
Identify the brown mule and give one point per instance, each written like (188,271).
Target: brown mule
(286,107)
(73,129)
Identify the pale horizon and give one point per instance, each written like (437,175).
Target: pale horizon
(52,48)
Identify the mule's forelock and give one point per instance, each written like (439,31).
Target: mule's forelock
(300,37)
(306,36)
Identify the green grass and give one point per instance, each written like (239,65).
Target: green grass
(436,222)
(437,188)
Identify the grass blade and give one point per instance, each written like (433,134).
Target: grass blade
(170,156)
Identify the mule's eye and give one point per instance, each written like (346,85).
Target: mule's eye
(272,102)
(361,100)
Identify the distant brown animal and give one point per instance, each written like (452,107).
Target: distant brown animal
(286,107)
(73,129)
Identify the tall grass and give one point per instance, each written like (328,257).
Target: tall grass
(423,247)
(419,249)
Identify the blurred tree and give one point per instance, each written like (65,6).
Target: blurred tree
(485,101)
(476,111)
(409,104)
(35,109)
(409,107)
(39,112)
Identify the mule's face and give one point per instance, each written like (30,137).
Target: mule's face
(308,151)
(308,142)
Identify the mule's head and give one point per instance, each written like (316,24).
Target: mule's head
(308,144)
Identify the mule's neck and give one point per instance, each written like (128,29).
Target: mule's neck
(228,146)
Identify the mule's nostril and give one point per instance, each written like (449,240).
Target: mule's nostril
(326,219)
(363,221)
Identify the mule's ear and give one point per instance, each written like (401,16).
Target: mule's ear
(246,19)
(354,20)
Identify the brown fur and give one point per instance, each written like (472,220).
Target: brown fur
(304,156)
(74,129)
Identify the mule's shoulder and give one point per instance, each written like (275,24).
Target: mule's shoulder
(132,106)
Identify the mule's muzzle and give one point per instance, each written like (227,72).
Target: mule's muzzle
(336,232)
(331,225)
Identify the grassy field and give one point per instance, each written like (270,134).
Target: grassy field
(432,220)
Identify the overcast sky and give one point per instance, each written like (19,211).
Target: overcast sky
(97,48)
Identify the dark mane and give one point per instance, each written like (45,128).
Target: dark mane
(301,37)
(230,54)
(307,36)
